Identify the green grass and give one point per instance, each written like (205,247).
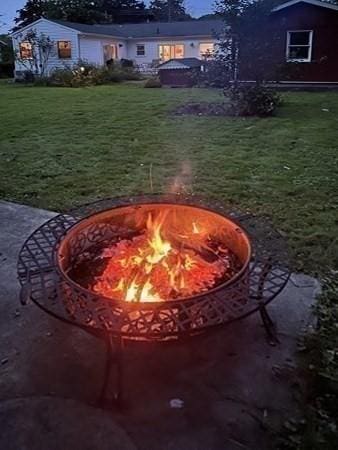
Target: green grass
(61,147)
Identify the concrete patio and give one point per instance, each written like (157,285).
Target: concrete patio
(236,389)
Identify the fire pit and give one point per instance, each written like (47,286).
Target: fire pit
(152,269)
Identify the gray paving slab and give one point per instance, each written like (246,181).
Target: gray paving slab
(236,389)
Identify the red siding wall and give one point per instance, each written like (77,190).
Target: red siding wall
(324,23)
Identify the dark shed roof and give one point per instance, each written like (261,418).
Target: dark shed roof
(151,29)
(190,63)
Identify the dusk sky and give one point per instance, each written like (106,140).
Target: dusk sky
(9,7)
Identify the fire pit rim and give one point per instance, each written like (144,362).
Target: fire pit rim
(268,274)
(154,200)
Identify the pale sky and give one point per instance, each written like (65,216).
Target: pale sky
(8,10)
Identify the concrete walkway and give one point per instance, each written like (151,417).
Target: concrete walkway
(236,390)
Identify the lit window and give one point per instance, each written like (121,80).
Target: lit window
(299,46)
(140,50)
(167,52)
(207,50)
(64,49)
(26,51)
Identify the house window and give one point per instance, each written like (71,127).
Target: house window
(207,50)
(171,51)
(64,49)
(26,51)
(299,46)
(140,50)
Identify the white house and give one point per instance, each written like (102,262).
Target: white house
(145,43)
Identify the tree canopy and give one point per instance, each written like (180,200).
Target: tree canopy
(248,39)
(82,11)
(169,10)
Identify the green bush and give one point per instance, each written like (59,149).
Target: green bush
(41,81)
(153,83)
(126,62)
(6,70)
(85,74)
(252,100)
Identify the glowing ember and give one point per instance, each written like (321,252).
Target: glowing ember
(160,264)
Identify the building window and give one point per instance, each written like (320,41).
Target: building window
(26,51)
(167,52)
(207,50)
(299,46)
(140,50)
(64,49)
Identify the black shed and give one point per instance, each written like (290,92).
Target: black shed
(179,72)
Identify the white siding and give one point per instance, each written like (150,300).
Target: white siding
(191,48)
(91,48)
(56,33)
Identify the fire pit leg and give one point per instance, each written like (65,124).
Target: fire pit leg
(114,355)
(267,321)
(119,365)
(268,325)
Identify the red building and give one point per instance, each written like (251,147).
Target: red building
(305,42)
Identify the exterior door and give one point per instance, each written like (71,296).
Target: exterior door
(109,52)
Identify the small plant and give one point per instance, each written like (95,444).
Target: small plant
(254,100)
(153,83)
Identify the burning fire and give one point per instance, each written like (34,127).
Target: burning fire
(161,263)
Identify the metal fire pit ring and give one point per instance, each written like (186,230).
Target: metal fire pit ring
(43,283)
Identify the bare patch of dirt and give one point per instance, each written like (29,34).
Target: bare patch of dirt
(203,109)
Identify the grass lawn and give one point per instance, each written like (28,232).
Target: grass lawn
(60,147)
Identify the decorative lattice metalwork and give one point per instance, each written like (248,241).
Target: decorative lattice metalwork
(59,296)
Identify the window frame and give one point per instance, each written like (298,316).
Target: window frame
(309,46)
(137,50)
(171,55)
(203,55)
(58,49)
(30,50)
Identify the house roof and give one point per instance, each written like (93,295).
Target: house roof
(150,29)
(181,63)
(310,2)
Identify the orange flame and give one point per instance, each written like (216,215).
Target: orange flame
(152,267)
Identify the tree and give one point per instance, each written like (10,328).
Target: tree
(6,50)
(40,48)
(121,11)
(210,17)
(248,40)
(32,11)
(81,11)
(169,10)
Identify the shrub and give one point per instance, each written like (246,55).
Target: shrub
(6,70)
(252,100)
(85,74)
(214,74)
(153,83)
(42,81)
(66,78)
(127,62)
